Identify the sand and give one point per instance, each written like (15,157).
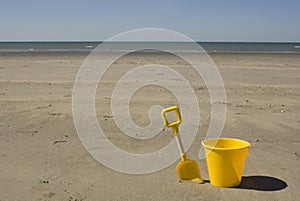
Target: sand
(42,158)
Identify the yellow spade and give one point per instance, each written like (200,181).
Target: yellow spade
(186,169)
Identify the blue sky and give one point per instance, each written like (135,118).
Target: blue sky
(91,20)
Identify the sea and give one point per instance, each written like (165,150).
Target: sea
(243,47)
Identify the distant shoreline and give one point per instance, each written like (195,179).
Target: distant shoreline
(210,47)
(70,51)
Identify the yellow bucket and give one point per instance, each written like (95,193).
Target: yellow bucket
(225,160)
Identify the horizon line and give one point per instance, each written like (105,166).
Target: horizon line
(101,41)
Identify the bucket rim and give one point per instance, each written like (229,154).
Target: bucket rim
(246,146)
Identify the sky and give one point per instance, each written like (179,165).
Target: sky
(201,20)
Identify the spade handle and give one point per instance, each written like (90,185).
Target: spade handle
(174,125)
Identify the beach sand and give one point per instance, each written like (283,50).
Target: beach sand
(42,157)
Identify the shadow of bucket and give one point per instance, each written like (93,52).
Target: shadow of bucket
(225,160)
